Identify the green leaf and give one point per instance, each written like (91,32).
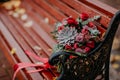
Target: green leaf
(90,20)
(57,48)
(79,20)
(96,17)
(80,54)
(54,32)
(59,67)
(80,44)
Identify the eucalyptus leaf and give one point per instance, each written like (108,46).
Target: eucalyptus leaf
(90,20)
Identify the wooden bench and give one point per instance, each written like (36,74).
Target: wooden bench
(43,13)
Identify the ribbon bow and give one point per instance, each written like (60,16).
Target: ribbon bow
(43,65)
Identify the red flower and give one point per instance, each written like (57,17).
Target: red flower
(80,37)
(71,57)
(68,47)
(87,37)
(76,45)
(90,24)
(60,28)
(71,21)
(87,49)
(15,67)
(84,31)
(90,44)
(84,16)
(79,50)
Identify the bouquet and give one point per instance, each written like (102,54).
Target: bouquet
(79,36)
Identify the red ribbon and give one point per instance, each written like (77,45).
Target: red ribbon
(44,65)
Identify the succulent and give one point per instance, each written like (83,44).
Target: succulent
(66,35)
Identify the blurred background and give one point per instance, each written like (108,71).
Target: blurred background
(115,57)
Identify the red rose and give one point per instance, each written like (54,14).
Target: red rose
(68,47)
(15,67)
(90,44)
(71,21)
(84,31)
(84,16)
(60,28)
(90,24)
(80,37)
(76,45)
(87,49)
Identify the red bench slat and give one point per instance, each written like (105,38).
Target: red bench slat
(24,46)
(64,8)
(50,9)
(38,10)
(84,8)
(19,51)
(12,61)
